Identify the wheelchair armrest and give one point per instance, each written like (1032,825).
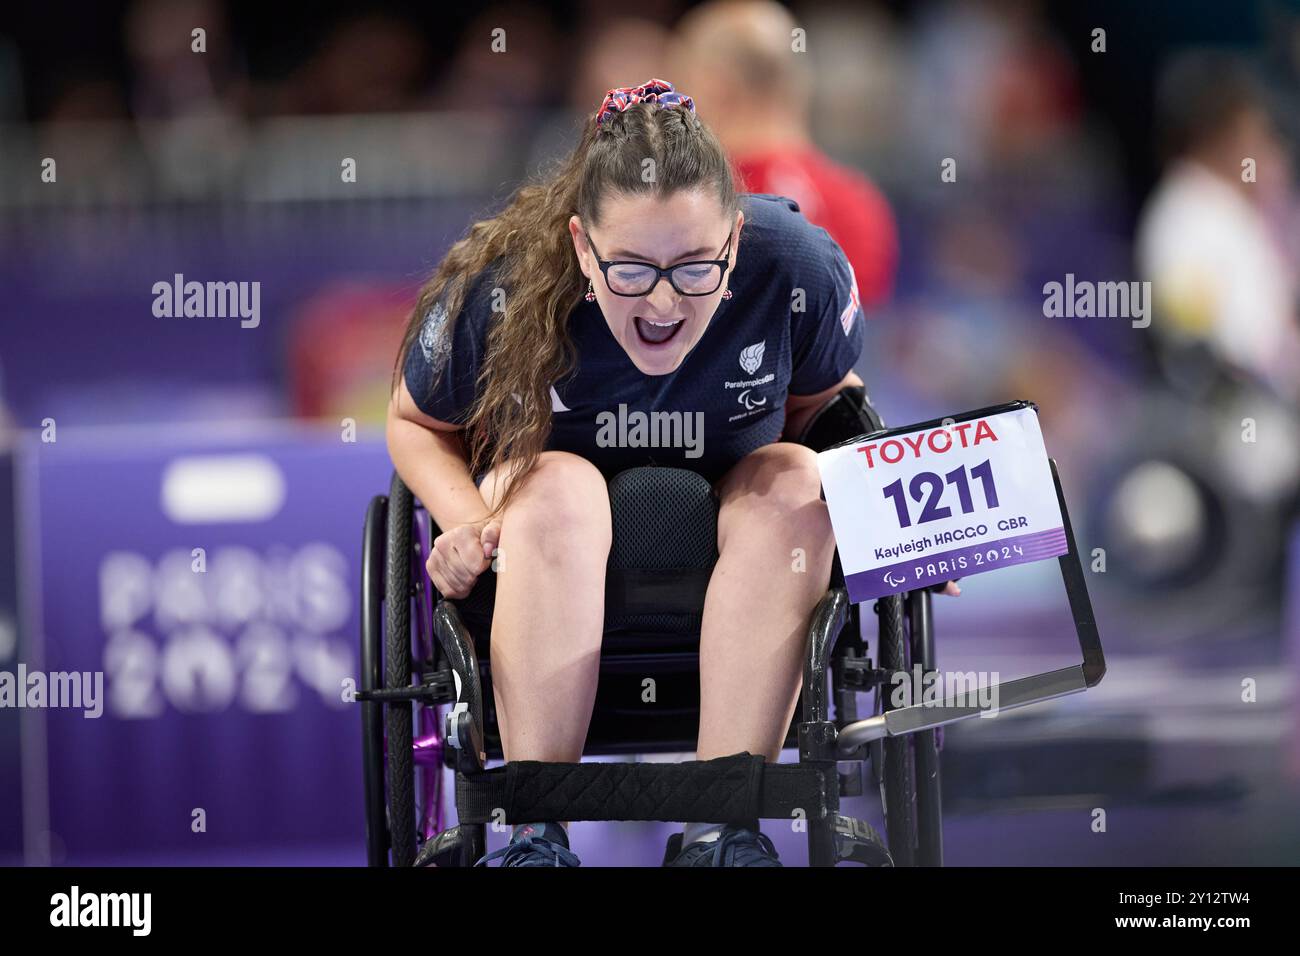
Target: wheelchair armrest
(845,416)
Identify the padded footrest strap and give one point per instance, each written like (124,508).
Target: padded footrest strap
(727,789)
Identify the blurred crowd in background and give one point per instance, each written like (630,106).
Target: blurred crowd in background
(969,155)
(1101,141)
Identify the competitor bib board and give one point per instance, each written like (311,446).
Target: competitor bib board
(920,505)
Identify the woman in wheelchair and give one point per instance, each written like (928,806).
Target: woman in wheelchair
(630,309)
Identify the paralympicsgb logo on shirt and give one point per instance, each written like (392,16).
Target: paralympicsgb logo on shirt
(751,357)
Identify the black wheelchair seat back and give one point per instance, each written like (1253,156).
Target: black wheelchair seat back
(664,548)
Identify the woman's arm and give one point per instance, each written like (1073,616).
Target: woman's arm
(431,458)
(800,408)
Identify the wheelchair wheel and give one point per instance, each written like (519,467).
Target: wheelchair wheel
(398,719)
(372,679)
(898,771)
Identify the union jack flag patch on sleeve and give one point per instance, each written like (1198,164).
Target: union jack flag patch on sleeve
(854,306)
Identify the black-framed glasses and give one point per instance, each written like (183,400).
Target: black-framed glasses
(635,279)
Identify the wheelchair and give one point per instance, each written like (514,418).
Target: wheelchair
(426,693)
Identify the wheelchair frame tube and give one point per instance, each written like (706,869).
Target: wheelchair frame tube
(428,745)
(929,783)
(816,731)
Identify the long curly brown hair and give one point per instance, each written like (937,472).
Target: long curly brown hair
(529,347)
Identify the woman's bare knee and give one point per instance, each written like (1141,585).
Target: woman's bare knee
(775,487)
(562,508)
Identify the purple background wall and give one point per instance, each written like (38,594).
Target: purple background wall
(77,296)
(223,691)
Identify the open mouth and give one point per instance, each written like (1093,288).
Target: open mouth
(656,333)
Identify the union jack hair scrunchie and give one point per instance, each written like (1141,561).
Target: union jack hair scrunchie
(659,92)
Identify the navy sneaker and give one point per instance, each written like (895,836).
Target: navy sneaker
(535,844)
(736,846)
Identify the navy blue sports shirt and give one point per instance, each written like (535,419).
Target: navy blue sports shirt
(793,326)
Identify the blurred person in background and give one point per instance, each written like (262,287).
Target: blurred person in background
(613,50)
(608,50)
(1212,238)
(990,85)
(740,57)
(505,60)
(188,93)
(169,81)
(1226,346)
(368,63)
